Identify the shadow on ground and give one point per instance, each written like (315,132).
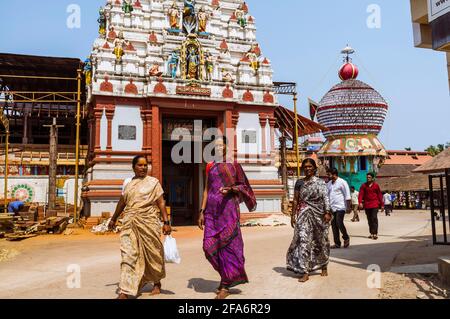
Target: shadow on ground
(204,286)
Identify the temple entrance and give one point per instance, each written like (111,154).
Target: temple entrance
(184,182)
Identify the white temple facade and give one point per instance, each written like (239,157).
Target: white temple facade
(158,66)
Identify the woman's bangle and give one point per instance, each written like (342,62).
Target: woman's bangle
(167,223)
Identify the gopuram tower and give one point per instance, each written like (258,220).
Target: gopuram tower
(158,66)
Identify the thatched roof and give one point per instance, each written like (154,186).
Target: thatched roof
(414,183)
(437,165)
(396,170)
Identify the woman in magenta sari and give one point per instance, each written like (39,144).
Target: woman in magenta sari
(226,188)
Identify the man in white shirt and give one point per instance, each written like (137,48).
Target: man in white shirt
(387,203)
(355,204)
(340,202)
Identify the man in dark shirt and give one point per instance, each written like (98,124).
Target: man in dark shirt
(371,200)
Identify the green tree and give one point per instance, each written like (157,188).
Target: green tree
(408,149)
(436,150)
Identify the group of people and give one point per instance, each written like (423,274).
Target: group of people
(316,206)
(142,206)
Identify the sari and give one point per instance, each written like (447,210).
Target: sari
(223,244)
(140,239)
(310,248)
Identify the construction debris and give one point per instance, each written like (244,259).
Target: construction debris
(103,228)
(271,221)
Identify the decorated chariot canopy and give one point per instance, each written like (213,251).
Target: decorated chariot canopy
(354,114)
(364,145)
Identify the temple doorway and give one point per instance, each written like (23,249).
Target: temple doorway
(183,182)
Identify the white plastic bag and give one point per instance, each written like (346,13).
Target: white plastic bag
(171,253)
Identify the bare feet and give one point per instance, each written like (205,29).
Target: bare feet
(324,272)
(156,289)
(223,294)
(123,297)
(304,279)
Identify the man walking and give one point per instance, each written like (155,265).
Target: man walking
(355,204)
(340,202)
(387,203)
(371,199)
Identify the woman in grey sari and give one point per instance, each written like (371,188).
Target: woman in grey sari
(311,217)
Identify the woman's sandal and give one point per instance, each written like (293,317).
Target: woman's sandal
(304,278)
(224,293)
(156,289)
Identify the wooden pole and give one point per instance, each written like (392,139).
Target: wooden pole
(53,164)
(296,139)
(77,148)
(284,175)
(6,171)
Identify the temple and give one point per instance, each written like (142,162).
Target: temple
(158,66)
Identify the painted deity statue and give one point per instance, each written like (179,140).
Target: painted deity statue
(154,70)
(203,18)
(174,17)
(193,64)
(189,17)
(87,70)
(209,65)
(254,61)
(241,17)
(102,22)
(173,63)
(127,6)
(119,44)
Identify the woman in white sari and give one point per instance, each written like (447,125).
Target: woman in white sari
(142,250)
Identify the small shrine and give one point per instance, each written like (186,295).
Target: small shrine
(354,114)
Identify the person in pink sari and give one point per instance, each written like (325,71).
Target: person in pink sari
(226,188)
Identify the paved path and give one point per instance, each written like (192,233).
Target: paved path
(40,271)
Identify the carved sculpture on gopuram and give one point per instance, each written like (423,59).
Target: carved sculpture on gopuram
(127,6)
(192,59)
(203,18)
(254,55)
(119,45)
(102,22)
(241,16)
(173,63)
(189,17)
(154,70)
(87,71)
(209,65)
(174,18)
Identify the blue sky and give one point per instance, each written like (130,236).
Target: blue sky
(303,39)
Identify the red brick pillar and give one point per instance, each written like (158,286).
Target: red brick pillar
(156,141)
(109,117)
(235,122)
(146,116)
(98,114)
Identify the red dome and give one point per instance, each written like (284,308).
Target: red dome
(348,71)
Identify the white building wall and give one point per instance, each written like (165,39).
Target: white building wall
(129,116)
(249,122)
(39,186)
